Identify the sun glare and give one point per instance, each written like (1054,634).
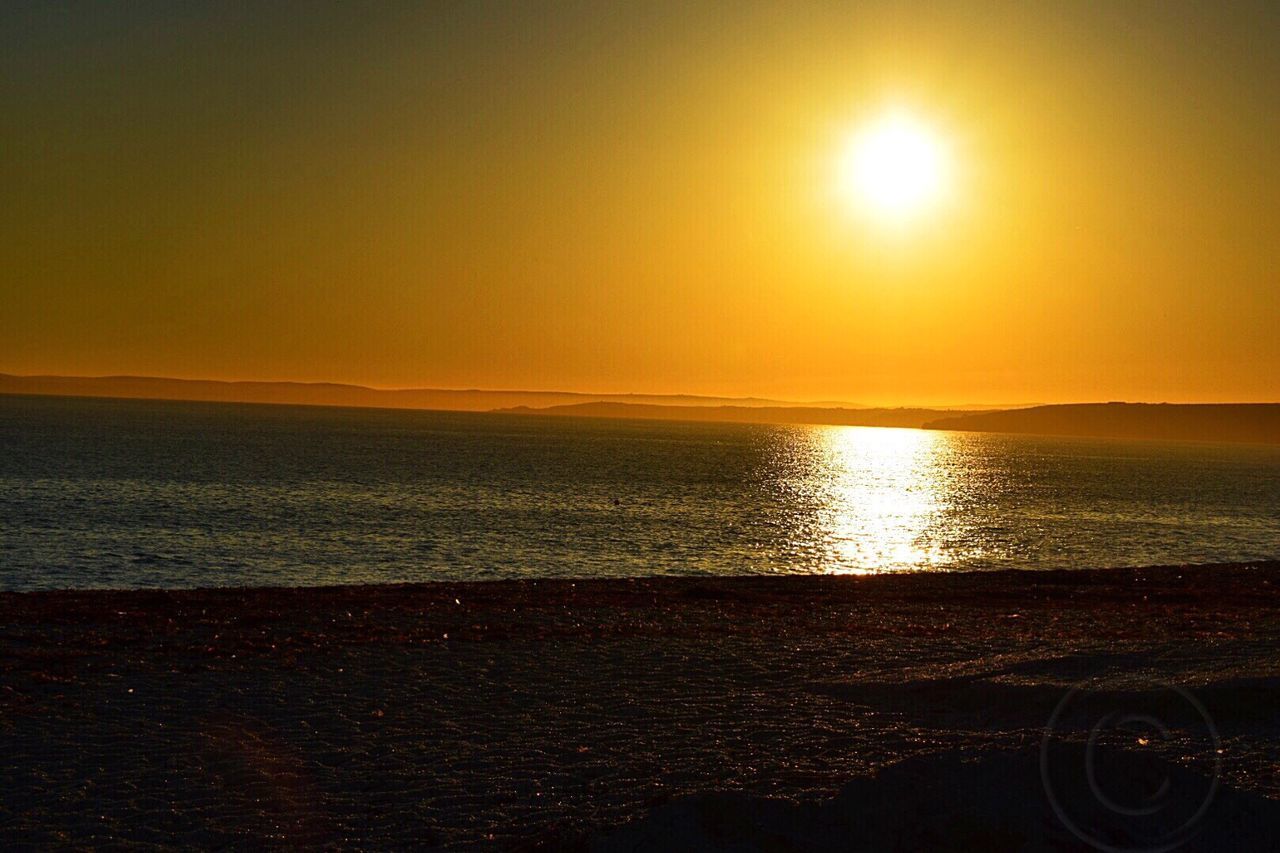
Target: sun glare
(894,168)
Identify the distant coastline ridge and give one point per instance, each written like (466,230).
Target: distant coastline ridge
(1235,422)
(914,418)
(1230,422)
(338,394)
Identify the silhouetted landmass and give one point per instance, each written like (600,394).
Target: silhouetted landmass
(329,394)
(914,418)
(1249,422)
(1245,422)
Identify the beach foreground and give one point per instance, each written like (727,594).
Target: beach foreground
(806,713)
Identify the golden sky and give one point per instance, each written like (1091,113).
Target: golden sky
(641,197)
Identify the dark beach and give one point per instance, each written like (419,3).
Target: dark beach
(721,713)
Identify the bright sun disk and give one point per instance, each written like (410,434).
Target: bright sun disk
(894,167)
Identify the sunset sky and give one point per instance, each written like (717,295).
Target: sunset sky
(646,197)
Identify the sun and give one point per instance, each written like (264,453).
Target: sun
(895,167)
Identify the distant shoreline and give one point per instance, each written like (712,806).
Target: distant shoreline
(339,394)
(1251,423)
(1255,423)
(906,417)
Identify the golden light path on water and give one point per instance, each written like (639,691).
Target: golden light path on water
(867,499)
(860,500)
(884,494)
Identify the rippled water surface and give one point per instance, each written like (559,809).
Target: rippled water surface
(111,493)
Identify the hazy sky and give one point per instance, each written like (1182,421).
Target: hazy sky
(640,198)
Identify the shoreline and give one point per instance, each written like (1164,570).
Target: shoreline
(1049,576)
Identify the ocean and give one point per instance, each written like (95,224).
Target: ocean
(98,493)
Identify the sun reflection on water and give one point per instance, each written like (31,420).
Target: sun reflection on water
(884,491)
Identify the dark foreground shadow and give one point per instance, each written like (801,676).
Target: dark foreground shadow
(1065,799)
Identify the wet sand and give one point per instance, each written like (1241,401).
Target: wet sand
(603,714)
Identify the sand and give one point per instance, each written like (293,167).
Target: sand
(737,713)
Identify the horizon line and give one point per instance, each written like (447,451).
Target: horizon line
(826,402)
(721,399)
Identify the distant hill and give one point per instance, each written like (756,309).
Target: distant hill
(914,418)
(1247,422)
(331,394)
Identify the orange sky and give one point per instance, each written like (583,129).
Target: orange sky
(578,197)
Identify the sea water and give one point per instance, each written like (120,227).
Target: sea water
(122,493)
